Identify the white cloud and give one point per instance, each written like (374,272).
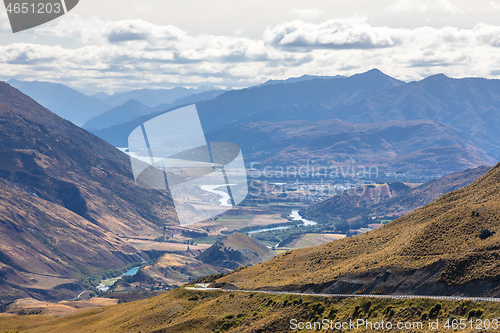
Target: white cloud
(142,6)
(118,55)
(492,5)
(487,34)
(423,6)
(335,34)
(97,31)
(307,13)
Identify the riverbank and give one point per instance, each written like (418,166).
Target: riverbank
(104,285)
(294,215)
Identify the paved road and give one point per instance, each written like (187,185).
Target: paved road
(447,298)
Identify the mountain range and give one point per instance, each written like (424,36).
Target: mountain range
(62,100)
(81,109)
(69,206)
(133,109)
(119,114)
(412,146)
(151,97)
(68,199)
(304,77)
(230,106)
(438,124)
(469,105)
(465,106)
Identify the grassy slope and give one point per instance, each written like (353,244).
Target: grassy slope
(239,241)
(174,269)
(445,230)
(236,250)
(188,311)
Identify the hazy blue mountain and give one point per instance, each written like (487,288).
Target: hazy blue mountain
(304,77)
(118,134)
(120,114)
(62,100)
(302,111)
(134,109)
(415,146)
(470,105)
(239,106)
(191,99)
(232,105)
(151,97)
(462,132)
(101,96)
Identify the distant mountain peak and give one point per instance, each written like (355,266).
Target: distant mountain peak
(125,112)
(304,77)
(437,77)
(375,75)
(133,102)
(374,72)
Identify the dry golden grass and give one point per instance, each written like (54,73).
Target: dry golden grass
(447,229)
(240,217)
(32,306)
(310,240)
(190,311)
(174,269)
(46,282)
(147,245)
(267,219)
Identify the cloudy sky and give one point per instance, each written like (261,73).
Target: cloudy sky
(122,45)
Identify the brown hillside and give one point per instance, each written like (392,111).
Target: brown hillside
(391,200)
(66,200)
(174,270)
(416,146)
(436,249)
(236,250)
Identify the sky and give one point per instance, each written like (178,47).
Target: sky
(112,46)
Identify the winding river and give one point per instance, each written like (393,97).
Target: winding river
(295,217)
(225,201)
(106,284)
